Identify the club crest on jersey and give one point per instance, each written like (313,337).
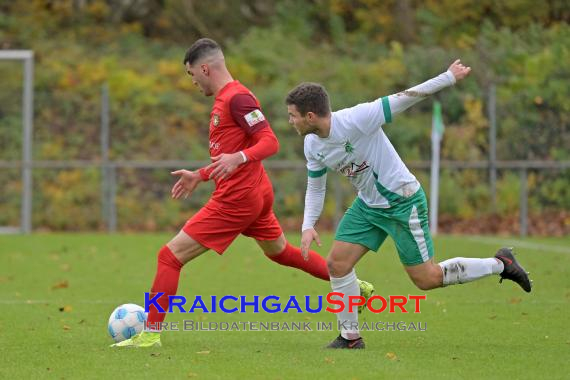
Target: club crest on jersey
(254,117)
(216,120)
(348,148)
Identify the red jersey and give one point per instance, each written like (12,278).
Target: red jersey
(235,118)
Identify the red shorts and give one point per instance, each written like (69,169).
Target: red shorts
(217,225)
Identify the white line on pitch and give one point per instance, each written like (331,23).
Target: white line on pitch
(518,244)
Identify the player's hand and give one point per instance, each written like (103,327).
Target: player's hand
(224,164)
(307,238)
(186,183)
(458,70)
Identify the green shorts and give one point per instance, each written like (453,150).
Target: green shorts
(406,222)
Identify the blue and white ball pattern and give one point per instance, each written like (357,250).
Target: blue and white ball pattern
(126,321)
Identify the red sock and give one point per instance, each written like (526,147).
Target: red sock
(291,257)
(166,281)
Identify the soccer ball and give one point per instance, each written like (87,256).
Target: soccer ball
(126,321)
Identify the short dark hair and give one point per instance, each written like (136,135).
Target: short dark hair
(199,49)
(310,97)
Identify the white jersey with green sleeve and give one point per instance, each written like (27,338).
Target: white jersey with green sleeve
(358,148)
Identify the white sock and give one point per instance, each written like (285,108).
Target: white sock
(460,270)
(348,321)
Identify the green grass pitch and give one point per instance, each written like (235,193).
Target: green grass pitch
(57,292)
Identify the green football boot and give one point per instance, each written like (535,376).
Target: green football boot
(143,339)
(366,290)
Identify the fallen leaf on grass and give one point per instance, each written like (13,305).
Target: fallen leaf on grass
(60,285)
(391,356)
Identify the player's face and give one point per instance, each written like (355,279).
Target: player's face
(299,122)
(200,77)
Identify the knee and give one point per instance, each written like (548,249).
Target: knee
(167,257)
(273,247)
(185,249)
(338,268)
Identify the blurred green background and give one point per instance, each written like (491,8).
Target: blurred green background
(359,49)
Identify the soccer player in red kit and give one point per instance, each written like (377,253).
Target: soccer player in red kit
(242,203)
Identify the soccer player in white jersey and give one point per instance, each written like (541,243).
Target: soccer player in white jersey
(390,199)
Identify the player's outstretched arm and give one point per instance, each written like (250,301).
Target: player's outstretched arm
(368,116)
(187,182)
(403,100)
